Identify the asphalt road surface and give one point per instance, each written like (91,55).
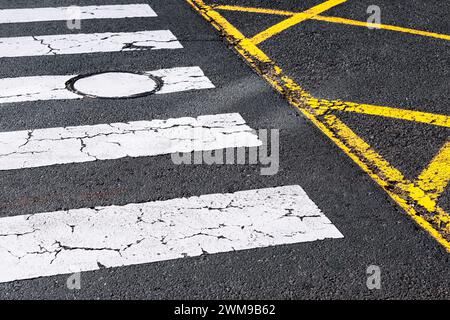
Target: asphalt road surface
(93,108)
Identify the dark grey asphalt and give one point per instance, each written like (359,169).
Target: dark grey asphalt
(329,60)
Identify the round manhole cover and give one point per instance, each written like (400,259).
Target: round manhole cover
(114,85)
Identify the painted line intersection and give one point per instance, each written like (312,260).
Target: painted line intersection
(413,196)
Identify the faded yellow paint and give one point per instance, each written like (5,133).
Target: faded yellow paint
(442,219)
(434,179)
(392,180)
(240,40)
(338,20)
(414,200)
(295,19)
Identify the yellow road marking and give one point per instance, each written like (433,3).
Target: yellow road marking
(434,220)
(240,40)
(295,19)
(338,20)
(406,193)
(436,176)
(388,112)
(383,26)
(245,47)
(255,10)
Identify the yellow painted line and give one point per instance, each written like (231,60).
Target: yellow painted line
(442,219)
(244,46)
(382,111)
(435,220)
(435,178)
(382,26)
(240,40)
(406,193)
(295,19)
(338,20)
(255,10)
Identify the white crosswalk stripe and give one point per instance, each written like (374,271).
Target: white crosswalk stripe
(86,239)
(36,88)
(44,147)
(83,12)
(87,43)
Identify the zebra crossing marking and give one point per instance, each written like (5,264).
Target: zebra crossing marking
(87,239)
(23,15)
(35,88)
(52,243)
(61,44)
(52,146)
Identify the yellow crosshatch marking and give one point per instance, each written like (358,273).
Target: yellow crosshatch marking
(418,198)
(436,176)
(434,119)
(295,19)
(335,20)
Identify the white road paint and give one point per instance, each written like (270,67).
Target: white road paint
(78,12)
(115,84)
(52,243)
(54,87)
(87,43)
(45,147)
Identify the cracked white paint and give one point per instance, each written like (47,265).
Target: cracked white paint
(52,243)
(36,88)
(182,79)
(87,43)
(84,12)
(45,147)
